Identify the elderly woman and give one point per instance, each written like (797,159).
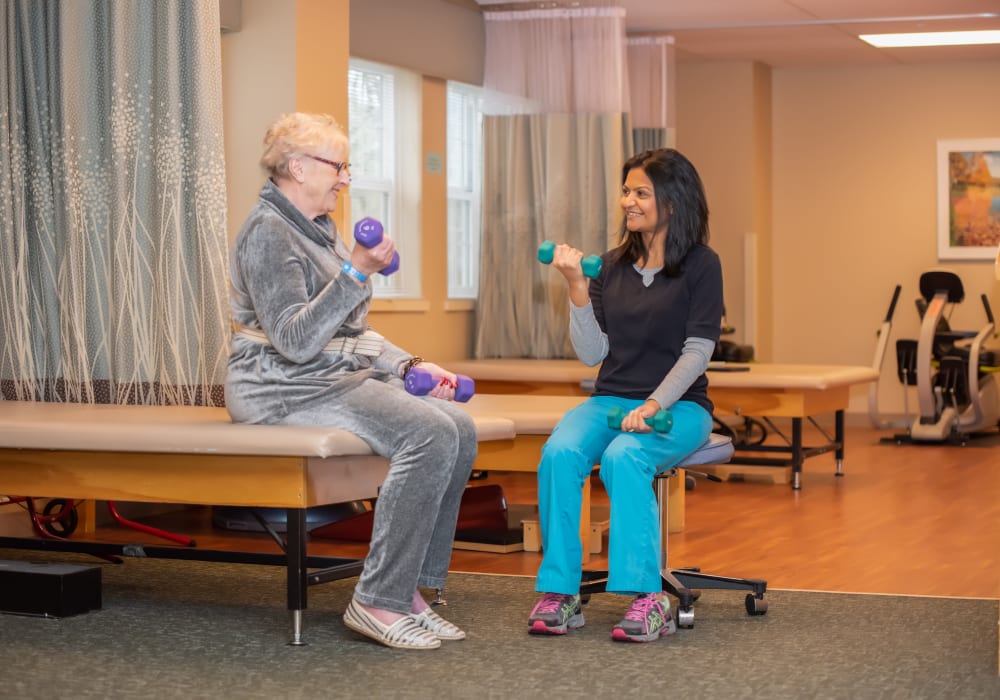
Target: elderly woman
(304,354)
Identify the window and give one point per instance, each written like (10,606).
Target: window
(465,167)
(384,113)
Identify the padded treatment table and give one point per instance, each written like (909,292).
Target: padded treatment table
(526,376)
(798,392)
(194,455)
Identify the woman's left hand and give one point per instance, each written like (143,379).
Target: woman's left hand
(635,420)
(447,381)
(368,261)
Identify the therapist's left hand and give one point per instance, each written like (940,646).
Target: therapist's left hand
(635,420)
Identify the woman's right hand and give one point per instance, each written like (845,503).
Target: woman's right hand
(567,260)
(372,260)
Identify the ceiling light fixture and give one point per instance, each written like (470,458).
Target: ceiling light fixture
(884,41)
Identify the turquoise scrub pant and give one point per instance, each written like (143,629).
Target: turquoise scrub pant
(628,463)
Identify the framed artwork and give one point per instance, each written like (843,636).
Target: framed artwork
(968,173)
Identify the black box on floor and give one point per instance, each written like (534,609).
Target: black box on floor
(49,589)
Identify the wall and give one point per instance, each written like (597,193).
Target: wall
(258,69)
(759,308)
(853,206)
(831,169)
(282,60)
(432,37)
(447,45)
(723,126)
(432,327)
(855,182)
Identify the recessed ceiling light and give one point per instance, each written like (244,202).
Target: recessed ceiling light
(883,41)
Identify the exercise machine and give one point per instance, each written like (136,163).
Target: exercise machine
(957,379)
(881,344)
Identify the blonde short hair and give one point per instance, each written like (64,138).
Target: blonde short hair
(299,133)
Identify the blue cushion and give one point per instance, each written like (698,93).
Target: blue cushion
(718,449)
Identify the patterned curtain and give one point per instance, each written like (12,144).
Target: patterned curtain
(112,202)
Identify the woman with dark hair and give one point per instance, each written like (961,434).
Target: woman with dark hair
(651,319)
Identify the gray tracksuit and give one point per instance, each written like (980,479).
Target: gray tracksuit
(286,282)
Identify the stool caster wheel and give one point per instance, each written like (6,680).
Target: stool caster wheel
(685,618)
(755,605)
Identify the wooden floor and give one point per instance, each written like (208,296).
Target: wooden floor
(920,520)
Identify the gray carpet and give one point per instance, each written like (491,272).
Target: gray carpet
(200,630)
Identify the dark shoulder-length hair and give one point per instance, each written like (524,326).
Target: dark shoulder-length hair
(680,203)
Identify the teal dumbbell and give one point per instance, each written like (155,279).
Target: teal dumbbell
(591,265)
(662,422)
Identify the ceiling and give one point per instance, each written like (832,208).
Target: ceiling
(795,32)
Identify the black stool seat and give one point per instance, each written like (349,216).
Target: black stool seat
(684,583)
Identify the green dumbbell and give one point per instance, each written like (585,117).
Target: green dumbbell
(591,265)
(662,422)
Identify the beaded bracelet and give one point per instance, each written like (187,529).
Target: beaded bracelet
(410,364)
(355,272)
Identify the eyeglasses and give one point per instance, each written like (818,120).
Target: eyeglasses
(339,167)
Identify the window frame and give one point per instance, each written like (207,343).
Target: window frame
(465,179)
(396,180)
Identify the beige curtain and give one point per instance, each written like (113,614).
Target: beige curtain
(568,60)
(554,177)
(551,174)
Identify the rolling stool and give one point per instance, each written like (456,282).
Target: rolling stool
(684,583)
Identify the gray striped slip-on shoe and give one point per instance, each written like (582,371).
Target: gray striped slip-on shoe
(404,633)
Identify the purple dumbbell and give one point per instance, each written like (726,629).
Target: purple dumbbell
(420,381)
(368,232)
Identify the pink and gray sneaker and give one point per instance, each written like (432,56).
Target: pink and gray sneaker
(556,613)
(647,620)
